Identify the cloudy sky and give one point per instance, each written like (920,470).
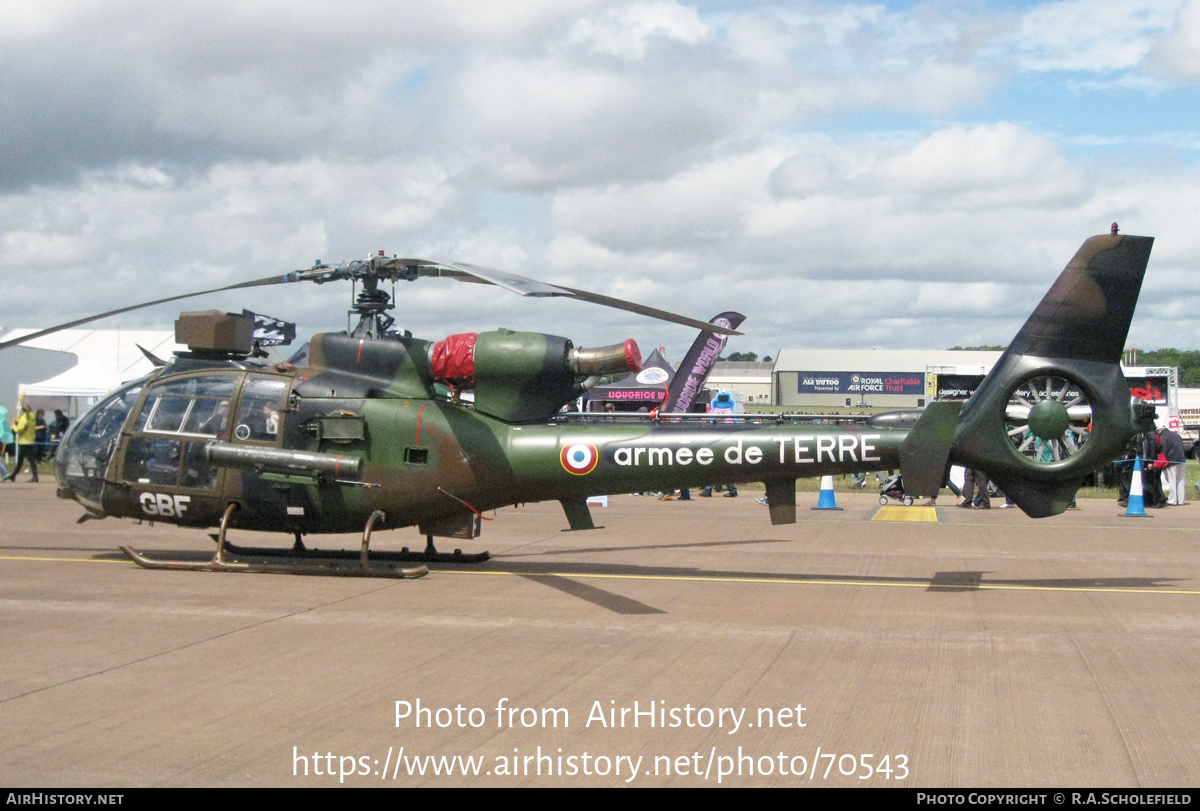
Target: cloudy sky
(847,175)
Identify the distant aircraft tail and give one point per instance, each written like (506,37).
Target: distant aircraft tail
(1056,405)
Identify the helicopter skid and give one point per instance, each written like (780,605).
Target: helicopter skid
(405,555)
(285,561)
(327,567)
(457,556)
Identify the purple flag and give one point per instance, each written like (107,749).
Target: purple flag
(697,363)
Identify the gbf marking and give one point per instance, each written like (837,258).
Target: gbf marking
(163,505)
(579,459)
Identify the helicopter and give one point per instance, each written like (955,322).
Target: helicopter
(373,431)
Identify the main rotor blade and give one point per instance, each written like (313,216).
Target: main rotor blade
(509,281)
(81,321)
(523,286)
(653,312)
(461,271)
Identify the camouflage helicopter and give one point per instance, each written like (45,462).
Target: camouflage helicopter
(372,432)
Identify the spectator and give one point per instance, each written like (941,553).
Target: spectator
(41,435)
(976,479)
(1152,467)
(25,429)
(1175,474)
(58,428)
(6,436)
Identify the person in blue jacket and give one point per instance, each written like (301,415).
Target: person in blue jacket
(6,441)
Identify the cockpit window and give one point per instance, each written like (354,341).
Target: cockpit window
(167,413)
(207,416)
(177,419)
(258,413)
(207,385)
(198,406)
(87,449)
(153,460)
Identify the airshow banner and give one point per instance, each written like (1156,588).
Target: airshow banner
(1152,389)
(697,363)
(861,383)
(959,387)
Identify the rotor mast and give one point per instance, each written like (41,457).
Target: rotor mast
(371,304)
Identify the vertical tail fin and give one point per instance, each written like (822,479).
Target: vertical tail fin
(1056,405)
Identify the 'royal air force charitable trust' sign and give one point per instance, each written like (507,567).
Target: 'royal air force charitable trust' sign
(861,383)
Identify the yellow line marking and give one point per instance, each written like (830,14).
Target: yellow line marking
(66,560)
(922,514)
(1075,588)
(702,579)
(788,581)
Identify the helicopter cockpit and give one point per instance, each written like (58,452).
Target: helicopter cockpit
(170,421)
(88,447)
(176,419)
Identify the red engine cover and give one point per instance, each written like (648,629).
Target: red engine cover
(453,360)
(633,356)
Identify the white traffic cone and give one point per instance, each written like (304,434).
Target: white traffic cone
(1137,503)
(826,501)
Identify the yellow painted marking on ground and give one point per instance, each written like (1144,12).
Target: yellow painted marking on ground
(925,584)
(703,579)
(1000,587)
(65,560)
(920,514)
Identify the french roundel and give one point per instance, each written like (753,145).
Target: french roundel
(579,459)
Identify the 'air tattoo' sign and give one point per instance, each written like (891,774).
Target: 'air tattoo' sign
(861,383)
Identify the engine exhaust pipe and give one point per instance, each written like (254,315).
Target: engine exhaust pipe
(605,360)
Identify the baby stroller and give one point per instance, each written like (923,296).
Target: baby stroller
(893,487)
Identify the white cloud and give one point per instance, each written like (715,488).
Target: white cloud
(832,26)
(547,123)
(779,161)
(1178,53)
(1090,35)
(985,166)
(929,88)
(234,223)
(694,208)
(22,20)
(624,32)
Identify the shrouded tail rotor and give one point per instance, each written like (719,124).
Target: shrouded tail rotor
(1048,418)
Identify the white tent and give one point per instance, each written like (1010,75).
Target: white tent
(105,360)
(81,381)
